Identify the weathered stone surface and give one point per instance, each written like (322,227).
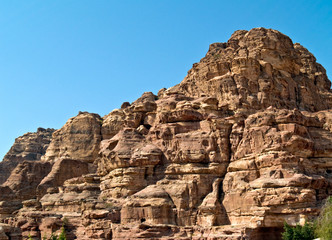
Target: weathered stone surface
(9,233)
(271,177)
(78,139)
(62,170)
(26,177)
(30,146)
(151,205)
(130,115)
(241,145)
(259,68)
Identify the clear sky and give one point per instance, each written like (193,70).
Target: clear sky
(63,56)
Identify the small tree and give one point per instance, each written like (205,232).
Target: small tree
(324,221)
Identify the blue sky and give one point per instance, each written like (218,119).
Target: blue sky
(61,57)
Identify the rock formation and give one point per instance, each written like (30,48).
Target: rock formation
(241,145)
(29,147)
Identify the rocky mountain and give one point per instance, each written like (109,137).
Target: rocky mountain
(241,145)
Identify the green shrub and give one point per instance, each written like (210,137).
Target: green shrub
(308,231)
(324,221)
(305,232)
(288,233)
(53,237)
(62,235)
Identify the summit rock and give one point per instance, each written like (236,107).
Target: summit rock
(259,68)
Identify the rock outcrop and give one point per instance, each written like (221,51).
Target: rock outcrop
(78,139)
(29,147)
(241,145)
(259,68)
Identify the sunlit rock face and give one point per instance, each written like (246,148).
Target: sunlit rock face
(259,68)
(78,139)
(240,146)
(29,147)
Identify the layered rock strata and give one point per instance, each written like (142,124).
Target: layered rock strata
(29,147)
(241,145)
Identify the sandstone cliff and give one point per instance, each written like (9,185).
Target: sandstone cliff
(241,145)
(30,147)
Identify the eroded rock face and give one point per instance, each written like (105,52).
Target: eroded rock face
(29,147)
(241,145)
(25,178)
(127,163)
(78,139)
(259,68)
(62,170)
(277,172)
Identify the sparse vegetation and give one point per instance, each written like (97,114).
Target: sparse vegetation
(321,228)
(305,232)
(62,235)
(324,222)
